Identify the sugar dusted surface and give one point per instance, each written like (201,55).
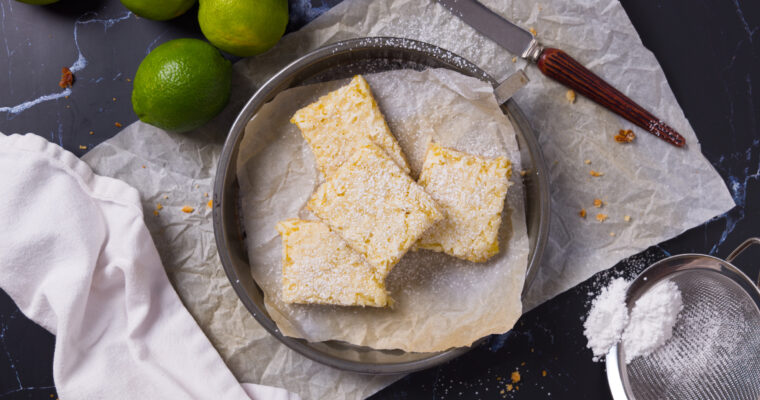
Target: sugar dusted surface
(318,267)
(340,122)
(470,190)
(375,206)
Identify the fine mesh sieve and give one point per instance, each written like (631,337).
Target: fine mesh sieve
(715,349)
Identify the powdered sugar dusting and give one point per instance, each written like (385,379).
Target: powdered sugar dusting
(652,320)
(607,318)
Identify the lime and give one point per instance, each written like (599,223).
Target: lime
(243,27)
(38,2)
(181,85)
(158,10)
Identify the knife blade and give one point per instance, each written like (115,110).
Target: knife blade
(559,66)
(508,35)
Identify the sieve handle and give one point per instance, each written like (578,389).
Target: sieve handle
(744,246)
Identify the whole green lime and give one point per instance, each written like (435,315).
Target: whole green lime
(38,2)
(243,27)
(181,85)
(159,10)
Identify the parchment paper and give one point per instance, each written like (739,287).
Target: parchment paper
(665,190)
(440,301)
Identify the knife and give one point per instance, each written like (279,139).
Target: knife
(559,66)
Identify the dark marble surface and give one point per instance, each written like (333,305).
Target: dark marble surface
(709,49)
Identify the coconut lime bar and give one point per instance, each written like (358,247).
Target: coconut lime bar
(318,267)
(375,206)
(470,191)
(342,121)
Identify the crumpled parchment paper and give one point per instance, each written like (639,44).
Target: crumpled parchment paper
(665,190)
(440,301)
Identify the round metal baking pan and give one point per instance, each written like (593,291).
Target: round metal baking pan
(337,61)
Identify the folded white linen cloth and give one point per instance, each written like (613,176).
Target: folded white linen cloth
(77,258)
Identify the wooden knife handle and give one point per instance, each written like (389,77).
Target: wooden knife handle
(559,66)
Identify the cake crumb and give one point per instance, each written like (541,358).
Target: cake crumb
(143,166)
(515,377)
(587,162)
(509,387)
(601,217)
(166,197)
(159,206)
(612,233)
(523,172)
(522,364)
(625,136)
(82,147)
(187,209)
(210,204)
(117,124)
(595,173)
(570,96)
(114,99)
(67,78)
(543,373)
(582,213)
(205,194)
(533,31)
(627,218)
(92,132)
(598,203)
(514,60)
(155,212)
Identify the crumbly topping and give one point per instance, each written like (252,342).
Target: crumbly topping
(375,206)
(319,267)
(595,174)
(598,203)
(470,190)
(601,217)
(187,209)
(627,218)
(341,122)
(582,213)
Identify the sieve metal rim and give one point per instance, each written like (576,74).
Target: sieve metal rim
(617,376)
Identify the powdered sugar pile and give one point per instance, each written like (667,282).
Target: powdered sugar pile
(652,320)
(648,327)
(607,318)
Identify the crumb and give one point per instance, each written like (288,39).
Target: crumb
(601,217)
(522,364)
(166,197)
(92,132)
(205,194)
(114,99)
(595,174)
(155,212)
(533,31)
(159,206)
(143,166)
(509,387)
(627,218)
(187,209)
(66,97)
(514,60)
(210,204)
(523,172)
(598,203)
(498,378)
(129,80)
(197,186)
(587,162)
(543,373)
(68,106)
(517,387)
(502,391)
(582,213)
(540,7)
(625,136)
(67,78)
(612,233)
(82,147)
(515,377)
(118,125)
(570,96)
(531,349)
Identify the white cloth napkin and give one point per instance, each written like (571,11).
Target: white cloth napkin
(77,258)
